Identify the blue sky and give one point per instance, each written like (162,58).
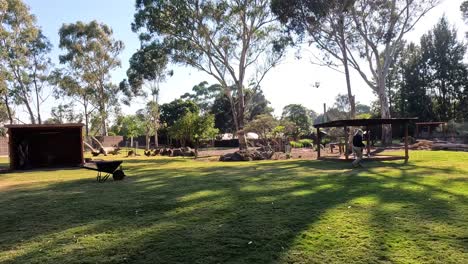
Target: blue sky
(290,82)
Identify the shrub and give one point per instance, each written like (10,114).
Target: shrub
(306,142)
(295,144)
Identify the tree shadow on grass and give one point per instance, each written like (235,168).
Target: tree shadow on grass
(235,213)
(425,223)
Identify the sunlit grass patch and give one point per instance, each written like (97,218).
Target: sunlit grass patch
(176,210)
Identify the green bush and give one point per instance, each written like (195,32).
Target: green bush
(295,144)
(306,142)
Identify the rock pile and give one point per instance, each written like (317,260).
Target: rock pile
(171,152)
(422,145)
(247,155)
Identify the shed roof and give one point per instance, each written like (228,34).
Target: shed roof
(71,125)
(365,122)
(430,123)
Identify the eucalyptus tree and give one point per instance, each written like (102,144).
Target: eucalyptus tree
(24,56)
(68,84)
(150,116)
(234,41)
(204,95)
(91,53)
(6,111)
(381,27)
(326,24)
(64,113)
(358,31)
(148,68)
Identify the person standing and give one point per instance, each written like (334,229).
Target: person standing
(358,147)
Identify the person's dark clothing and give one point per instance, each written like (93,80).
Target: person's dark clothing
(357,141)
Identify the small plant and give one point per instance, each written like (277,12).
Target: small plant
(295,144)
(306,142)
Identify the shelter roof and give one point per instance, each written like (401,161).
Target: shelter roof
(71,125)
(365,122)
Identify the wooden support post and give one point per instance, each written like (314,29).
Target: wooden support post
(368,141)
(346,149)
(82,146)
(406,143)
(11,149)
(318,143)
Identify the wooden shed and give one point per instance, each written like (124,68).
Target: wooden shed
(45,146)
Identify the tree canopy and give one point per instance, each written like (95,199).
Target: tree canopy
(91,53)
(431,79)
(193,127)
(357,30)
(24,57)
(233,41)
(300,116)
(327,23)
(173,111)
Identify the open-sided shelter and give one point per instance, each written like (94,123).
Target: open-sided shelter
(366,124)
(45,146)
(431,126)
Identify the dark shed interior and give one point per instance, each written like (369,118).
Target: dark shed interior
(45,146)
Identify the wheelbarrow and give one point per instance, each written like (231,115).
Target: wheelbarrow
(105,169)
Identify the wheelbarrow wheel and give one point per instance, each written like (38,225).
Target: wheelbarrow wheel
(118,175)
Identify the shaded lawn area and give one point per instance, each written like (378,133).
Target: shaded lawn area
(4,163)
(295,211)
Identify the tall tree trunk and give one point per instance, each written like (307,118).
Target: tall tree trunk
(39,121)
(240,118)
(102,112)
(233,110)
(351,100)
(156,141)
(384,112)
(102,109)
(196,143)
(7,104)
(24,90)
(86,119)
(147,141)
(104,126)
(131,142)
(30,111)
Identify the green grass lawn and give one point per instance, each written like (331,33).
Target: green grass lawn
(294,211)
(4,162)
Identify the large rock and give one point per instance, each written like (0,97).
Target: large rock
(247,155)
(166,152)
(177,153)
(188,152)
